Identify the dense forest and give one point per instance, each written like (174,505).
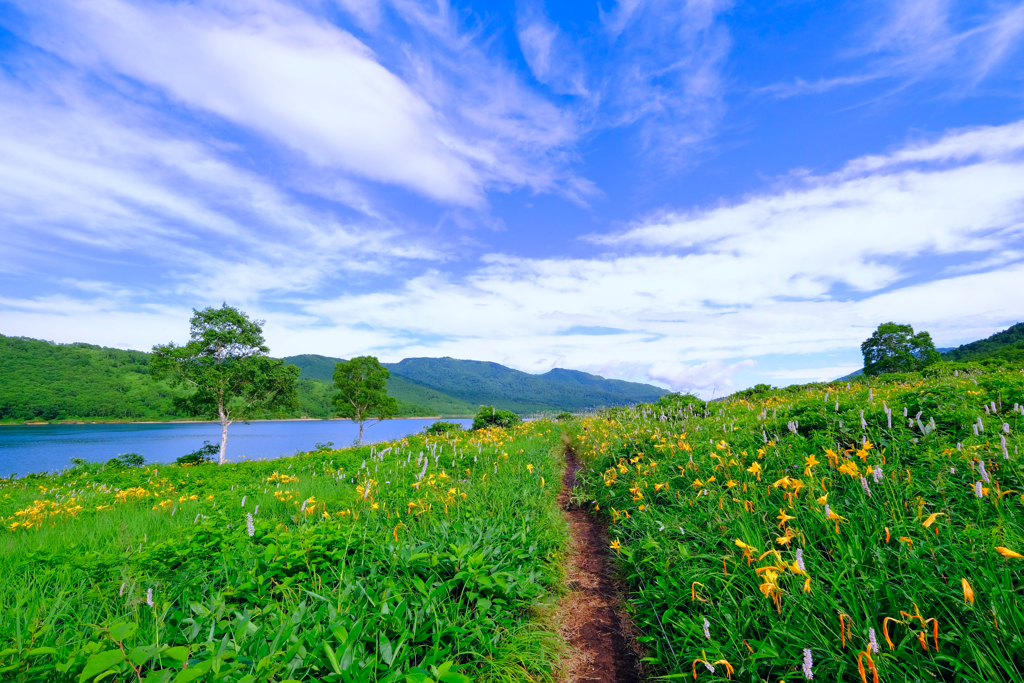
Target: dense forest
(43,381)
(1006,345)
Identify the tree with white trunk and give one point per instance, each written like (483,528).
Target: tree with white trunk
(227,370)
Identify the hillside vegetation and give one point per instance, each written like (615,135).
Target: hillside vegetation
(42,381)
(1007,345)
(854,531)
(320,369)
(475,383)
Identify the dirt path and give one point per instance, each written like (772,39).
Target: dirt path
(603,647)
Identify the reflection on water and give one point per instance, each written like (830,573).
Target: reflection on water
(42,448)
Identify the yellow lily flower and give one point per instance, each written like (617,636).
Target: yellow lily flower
(810,462)
(615,545)
(968,591)
(755,469)
(850,468)
(783,518)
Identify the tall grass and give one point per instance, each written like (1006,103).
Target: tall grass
(363,565)
(709,506)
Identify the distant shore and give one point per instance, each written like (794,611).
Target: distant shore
(159,422)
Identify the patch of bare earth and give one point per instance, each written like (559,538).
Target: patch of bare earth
(602,643)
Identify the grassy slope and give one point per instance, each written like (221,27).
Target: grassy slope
(355,565)
(712,503)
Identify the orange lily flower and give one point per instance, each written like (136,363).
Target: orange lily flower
(968,591)
(871,665)
(931,518)
(842,626)
(1006,552)
(783,518)
(746,549)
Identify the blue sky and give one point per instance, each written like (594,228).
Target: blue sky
(699,194)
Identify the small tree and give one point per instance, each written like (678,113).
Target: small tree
(441,427)
(226,365)
(363,391)
(895,348)
(489,416)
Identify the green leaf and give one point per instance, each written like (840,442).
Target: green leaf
(99,662)
(179,653)
(192,673)
(9,651)
(333,659)
(144,653)
(122,631)
(37,651)
(386,653)
(452,677)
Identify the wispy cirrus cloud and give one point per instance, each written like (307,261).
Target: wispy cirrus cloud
(428,122)
(916,40)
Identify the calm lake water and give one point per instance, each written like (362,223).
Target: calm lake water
(45,448)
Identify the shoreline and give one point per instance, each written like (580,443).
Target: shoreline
(217,422)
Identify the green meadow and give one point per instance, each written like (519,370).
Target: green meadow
(864,531)
(870,530)
(426,559)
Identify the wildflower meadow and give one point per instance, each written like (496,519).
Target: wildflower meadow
(862,531)
(424,559)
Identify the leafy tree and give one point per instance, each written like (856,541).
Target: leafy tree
(363,391)
(202,455)
(442,427)
(226,366)
(491,417)
(895,348)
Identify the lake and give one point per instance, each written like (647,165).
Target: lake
(45,448)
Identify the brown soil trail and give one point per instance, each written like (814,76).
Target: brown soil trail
(602,645)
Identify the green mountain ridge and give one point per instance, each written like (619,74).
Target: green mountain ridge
(474,383)
(1006,345)
(41,381)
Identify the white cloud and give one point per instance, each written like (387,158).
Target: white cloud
(104,194)
(713,374)
(444,120)
(913,40)
(303,82)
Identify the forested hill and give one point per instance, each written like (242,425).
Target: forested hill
(43,381)
(477,383)
(1005,345)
